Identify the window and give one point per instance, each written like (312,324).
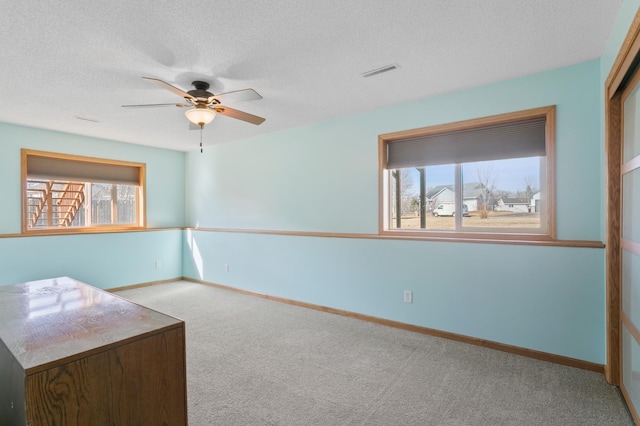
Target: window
(484,178)
(70,193)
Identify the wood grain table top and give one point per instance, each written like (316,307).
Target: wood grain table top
(54,321)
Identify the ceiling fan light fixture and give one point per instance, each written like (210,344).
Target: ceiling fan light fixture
(200,116)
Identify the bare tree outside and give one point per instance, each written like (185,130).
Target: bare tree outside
(432,204)
(113,203)
(101,211)
(402,202)
(101,190)
(530,186)
(486,176)
(422,202)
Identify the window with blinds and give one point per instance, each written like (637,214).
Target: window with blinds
(487,177)
(71,193)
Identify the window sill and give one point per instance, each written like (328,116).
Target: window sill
(489,238)
(83,230)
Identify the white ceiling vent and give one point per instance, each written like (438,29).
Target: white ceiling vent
(377,71)
(87,119)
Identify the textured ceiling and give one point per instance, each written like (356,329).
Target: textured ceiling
(64,63)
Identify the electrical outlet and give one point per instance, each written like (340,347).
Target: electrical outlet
(408,296)
(158,264)
(226,267)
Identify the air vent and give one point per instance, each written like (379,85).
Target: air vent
(377,71)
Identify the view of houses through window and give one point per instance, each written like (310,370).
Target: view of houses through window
(480,178)
(494,194)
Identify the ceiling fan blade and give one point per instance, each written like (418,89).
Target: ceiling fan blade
(167,86)
(156,105)
(240,115)
(238,95)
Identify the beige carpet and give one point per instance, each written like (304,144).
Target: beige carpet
(252,361)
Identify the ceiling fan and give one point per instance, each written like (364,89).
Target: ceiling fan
(205,104)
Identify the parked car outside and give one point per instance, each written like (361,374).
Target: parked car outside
(449,209)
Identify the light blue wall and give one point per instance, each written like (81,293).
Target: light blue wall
(547,299)
(104,260)
(165,171)
(324,178)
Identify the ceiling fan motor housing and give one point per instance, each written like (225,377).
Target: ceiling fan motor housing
(200,85)
(201,92)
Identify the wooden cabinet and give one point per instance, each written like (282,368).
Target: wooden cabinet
(72,354)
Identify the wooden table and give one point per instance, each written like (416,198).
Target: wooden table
(72,354)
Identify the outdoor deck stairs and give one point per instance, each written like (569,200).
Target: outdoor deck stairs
(53,204)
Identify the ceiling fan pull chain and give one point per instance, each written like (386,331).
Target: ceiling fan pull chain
(201,126)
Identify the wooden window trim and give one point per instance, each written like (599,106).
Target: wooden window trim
(140,205)
(550,165)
